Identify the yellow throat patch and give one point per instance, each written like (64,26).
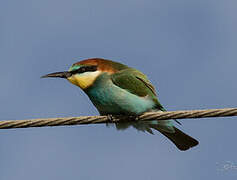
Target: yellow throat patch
(84,80)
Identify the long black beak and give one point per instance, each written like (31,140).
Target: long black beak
(64,74)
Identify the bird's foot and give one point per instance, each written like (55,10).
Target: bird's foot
(136,118)
(110,118)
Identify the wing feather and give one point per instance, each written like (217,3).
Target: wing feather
(136,83)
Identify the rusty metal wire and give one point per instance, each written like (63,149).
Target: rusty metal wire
(68,121)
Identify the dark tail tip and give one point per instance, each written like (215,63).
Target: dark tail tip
(182,141)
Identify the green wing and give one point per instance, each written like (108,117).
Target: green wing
(136,83)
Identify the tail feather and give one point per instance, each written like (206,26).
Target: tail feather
(182,141)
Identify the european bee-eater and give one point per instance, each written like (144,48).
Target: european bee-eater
(116,89)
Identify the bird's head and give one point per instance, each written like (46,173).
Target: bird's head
(84,73)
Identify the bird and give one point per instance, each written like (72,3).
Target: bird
(117,89)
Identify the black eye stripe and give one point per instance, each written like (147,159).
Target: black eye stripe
(85,69)
(90,68)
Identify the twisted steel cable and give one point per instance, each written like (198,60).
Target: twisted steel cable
(66,121)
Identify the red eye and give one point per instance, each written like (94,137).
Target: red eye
(82,69)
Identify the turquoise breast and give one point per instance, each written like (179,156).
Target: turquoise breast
(111,99)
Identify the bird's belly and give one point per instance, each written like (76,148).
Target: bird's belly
(114,100)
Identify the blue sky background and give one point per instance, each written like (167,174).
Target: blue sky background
(186,47)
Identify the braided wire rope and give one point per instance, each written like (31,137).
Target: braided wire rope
(68,121)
